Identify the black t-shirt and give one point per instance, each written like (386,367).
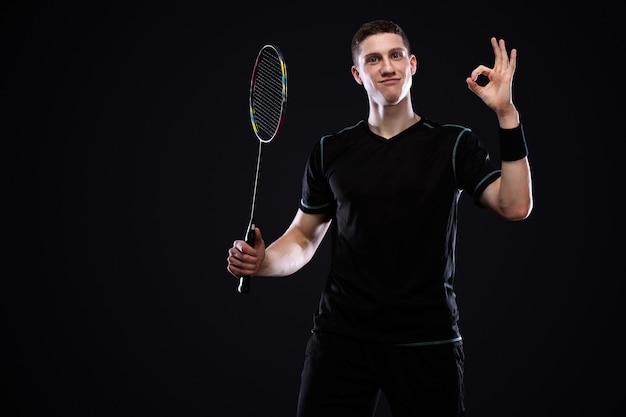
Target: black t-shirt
(393,204)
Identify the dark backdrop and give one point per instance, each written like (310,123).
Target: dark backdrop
(130,171)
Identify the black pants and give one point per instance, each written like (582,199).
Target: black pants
(344,377)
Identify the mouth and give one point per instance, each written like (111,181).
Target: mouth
(390,81)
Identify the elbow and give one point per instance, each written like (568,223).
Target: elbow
(517,212)
(519,215)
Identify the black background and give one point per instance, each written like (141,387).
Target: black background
(131,165)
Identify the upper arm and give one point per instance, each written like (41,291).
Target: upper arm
(489,196)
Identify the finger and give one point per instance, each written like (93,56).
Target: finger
(513,59)
(479,70)
(497,53)
(503,54)
(236,252)
(237,272)
(238,266)
(242,246)
(229,268)
(233,269)
(509,61)
(232,260)
(471,84)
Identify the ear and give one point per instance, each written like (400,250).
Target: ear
(356,75)
(413,62)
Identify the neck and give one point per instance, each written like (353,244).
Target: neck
(388,121)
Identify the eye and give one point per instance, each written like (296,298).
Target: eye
(372,59)
(396,55)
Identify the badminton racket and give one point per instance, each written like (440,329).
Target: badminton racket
(267,102)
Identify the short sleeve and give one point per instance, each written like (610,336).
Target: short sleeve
(474,169)
(317,195)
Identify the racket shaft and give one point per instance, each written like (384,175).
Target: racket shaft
(244,281)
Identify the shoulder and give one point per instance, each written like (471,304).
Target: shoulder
(334,143)
(448,129)
(447,135)
(351,131)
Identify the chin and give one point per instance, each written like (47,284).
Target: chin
(392,101)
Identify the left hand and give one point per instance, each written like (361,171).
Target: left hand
(497,93)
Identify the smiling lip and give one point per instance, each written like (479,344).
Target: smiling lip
(390,81)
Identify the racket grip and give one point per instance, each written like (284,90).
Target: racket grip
(244,281)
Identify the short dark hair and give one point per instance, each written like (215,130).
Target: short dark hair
(371,28)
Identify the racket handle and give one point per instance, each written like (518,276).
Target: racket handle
(244,282)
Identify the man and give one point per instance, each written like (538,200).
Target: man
(387,189)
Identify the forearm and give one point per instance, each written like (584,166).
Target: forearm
(515,200)
(296,247)
(515,191)
(284,257)
(511,195)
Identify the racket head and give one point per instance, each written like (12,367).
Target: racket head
(268,93)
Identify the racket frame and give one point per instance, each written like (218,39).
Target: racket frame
(265,111)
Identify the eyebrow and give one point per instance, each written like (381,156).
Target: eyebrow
(400,49)
(391,51)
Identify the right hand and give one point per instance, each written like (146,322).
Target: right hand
(245,260)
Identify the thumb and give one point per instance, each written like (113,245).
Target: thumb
(258,237)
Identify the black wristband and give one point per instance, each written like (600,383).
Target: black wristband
(512,144)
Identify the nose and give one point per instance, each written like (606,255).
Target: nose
(387,67)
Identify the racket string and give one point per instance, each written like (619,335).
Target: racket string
(268,94)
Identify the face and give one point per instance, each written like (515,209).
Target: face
(385,68)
